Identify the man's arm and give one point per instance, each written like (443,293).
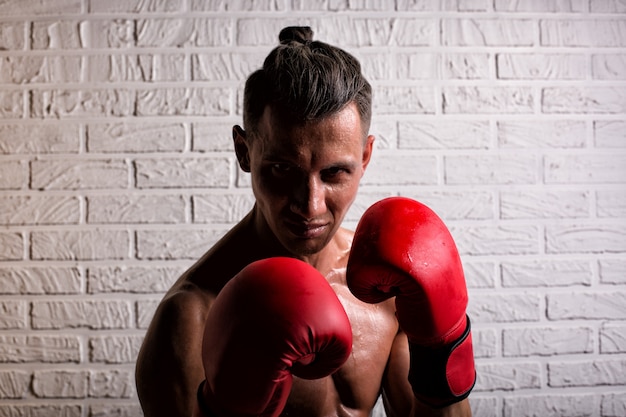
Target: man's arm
(398,394)
(169,367)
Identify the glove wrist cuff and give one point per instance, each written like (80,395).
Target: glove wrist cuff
(444,374)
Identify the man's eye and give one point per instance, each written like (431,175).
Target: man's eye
(280,169)
(333,173)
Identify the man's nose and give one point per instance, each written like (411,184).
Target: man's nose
(309,198)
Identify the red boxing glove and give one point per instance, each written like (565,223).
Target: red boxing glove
(275,318)
(402,248)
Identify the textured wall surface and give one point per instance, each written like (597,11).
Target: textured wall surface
(507,117)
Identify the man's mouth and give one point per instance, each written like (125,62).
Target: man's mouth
(305,230)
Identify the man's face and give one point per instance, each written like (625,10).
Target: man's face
(305,176)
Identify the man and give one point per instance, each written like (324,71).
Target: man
(306,145)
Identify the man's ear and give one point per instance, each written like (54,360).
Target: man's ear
(367,151)
(241,148)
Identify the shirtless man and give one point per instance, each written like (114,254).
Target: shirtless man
(306,145)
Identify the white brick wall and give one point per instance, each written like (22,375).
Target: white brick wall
(116,172)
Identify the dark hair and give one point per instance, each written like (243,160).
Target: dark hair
(306,80)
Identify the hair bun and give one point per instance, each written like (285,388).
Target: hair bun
(301,34)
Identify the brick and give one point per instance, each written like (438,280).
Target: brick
(111,384)
(83,174)
(416,5)
(533,134)
(613,404)
(491,169)
(143,67)
(485,406)
(599,6)
(49,138)
(445,134)
(211,172)
(485,343)
(554,405)
(587,168)
(136,137)
(184,32)
(175,244)
(80,245)
(131,279)
(240,6)
(11,104)
(39,69)
(613,338)
(545,204)
(340,5)
(97,315)
(46,349)
(608,67)
(13,175)
(547,341)
(114,349)
(611,203)
(103,33)
(487,32)
(56,34)
(125,209)
(60,104)
(256,32)
(184,101)
(459,205)
(541,67)
(583,33)
(609,134)
(404,100)
(212,137)
(411,32)
(544,273)
(612,271)
(496,240)
(22,210)
(386,133)
(12,245)
(585,100)
(26,410)
(487,100)
(115,409)
(134,6)
(13,314)
(14,384)
(12,36)
(393,169)
(38,8)
(507,376)
(40,280)
(509,308)
(587,306)
(215,66)
(60,384)
(540,6)
(379,65)
(596,238)
(479,274)
(214,208)
(587,373)
(465,66)
(145,312)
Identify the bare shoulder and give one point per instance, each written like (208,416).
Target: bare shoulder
(169,365)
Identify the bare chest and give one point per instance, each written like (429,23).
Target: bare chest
(353,390)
